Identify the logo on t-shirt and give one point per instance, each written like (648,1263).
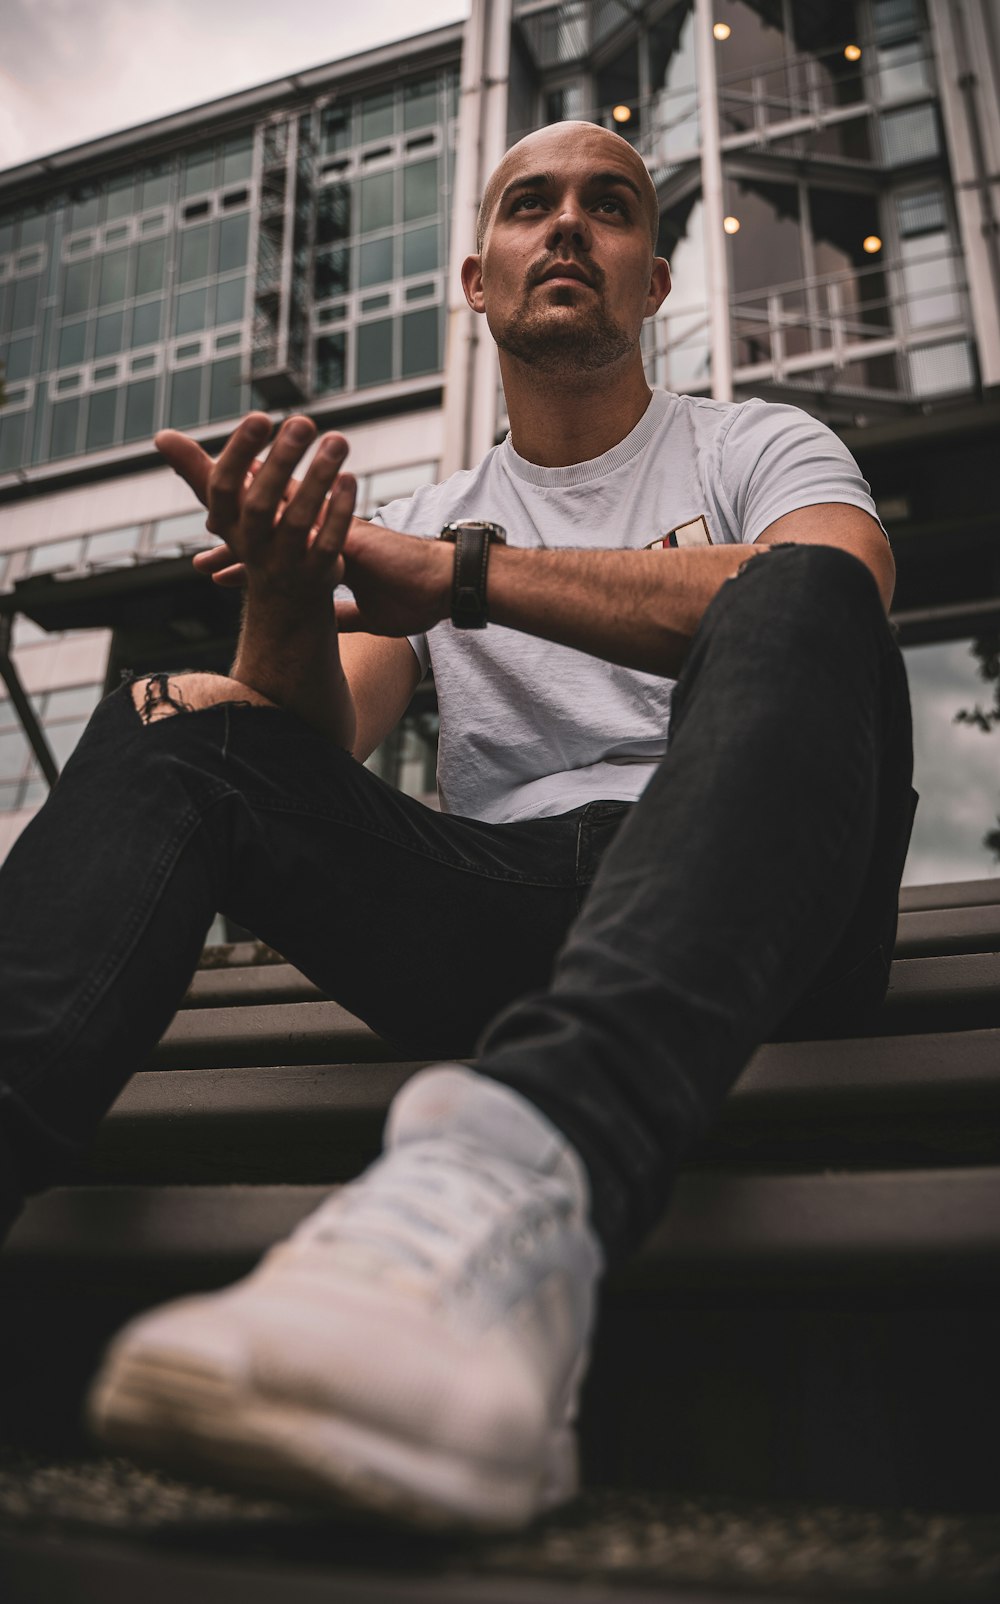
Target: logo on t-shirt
(693,533)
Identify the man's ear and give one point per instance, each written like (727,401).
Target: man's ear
(472,282)
(659,285)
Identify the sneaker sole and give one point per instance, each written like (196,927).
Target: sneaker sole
(186,1418)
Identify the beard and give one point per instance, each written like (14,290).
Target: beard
(562,346)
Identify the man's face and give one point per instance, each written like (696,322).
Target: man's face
(566,273)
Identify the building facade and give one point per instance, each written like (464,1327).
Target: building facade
(828,180)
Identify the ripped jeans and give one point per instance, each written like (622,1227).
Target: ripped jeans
(618,965)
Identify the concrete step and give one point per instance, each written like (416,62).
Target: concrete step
(895,1100)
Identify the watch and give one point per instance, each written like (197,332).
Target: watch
(472,540)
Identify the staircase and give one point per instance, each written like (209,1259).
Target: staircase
(814,1327)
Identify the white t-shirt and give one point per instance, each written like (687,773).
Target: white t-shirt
(530,729)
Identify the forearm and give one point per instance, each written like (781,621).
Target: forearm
(637,608)
(292,656)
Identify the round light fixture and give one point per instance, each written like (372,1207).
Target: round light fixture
(731,225)
(871,243)
(622,114)
(852,52)
(721,30)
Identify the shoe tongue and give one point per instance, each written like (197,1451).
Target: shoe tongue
(450,1101)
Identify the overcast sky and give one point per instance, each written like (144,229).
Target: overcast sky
(71,70)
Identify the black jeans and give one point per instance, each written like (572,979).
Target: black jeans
(751,890)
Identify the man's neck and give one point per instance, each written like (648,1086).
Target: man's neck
(558,421)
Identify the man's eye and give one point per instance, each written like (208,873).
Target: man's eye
(611,203)
(526,202)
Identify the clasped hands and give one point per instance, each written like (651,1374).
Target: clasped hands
(291,541)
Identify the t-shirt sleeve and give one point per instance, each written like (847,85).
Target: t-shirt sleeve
(776,459)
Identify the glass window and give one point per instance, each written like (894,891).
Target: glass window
(230,299)
(420,250)
(198,171)
(942,369)
(224,389)
(25,309)
(374,352)
(14,755)
(377,115)
(420,103)
(330,363)
(100,548)
(420,189)
(18,363)
(237,159)
(146,323)
(13,427)
(65,425)
(421,343)
(113,272)
(909,136)
(931,280)
(955,764)
(333,213)
(149,266)
(185,398)
(330,273)
(101,417)
(190,311)
(194,253)
(6,237)
(375,262)
(108,338)
(77,288)
(376,202)
(85,212)
(335,130)
(140,403)
(63,737)
(155,186)
(59,554)
(72,344)
(34,228)
(420,292)
(75,701)
(119,201)
(234,236)
(187,529)
(902,70)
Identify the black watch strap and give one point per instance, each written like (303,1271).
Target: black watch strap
(472,543)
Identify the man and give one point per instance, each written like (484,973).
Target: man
(418,1345)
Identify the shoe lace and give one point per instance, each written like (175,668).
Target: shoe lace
(435,1210)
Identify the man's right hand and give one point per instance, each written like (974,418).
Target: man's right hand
(284,536)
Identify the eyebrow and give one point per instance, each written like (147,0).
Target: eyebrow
(548,180)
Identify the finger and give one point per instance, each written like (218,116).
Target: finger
(271,481)
(233,578)
(212,559)
(186,458)
(308,508)
(228,477)
(336,522)
(348,615)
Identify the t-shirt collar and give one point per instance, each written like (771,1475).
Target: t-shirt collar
(578,473)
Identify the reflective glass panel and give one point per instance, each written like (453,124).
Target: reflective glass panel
(140,402)
(146,323)
(189,315)
(234,234)
(72,344)
(230,296)
(113,272)
(77,287)
(150,264)
(375,262)
(185,398)
(65,422)
(376,202)
(374,341)
(420,190)
(421,342)
(194,253)
(101,418)
(420,250)
(108,336)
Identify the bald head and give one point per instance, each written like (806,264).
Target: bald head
(537,149)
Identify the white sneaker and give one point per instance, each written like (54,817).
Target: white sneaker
(416,1347)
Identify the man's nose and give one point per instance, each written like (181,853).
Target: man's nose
(569,224)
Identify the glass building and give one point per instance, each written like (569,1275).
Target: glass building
(829,201)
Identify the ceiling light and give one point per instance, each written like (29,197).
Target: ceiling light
(622,114)
(871,243)
(852,52)
(721,30)
(731,225)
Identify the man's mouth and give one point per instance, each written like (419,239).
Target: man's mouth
(560,271)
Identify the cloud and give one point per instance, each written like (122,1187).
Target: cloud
(76,69)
